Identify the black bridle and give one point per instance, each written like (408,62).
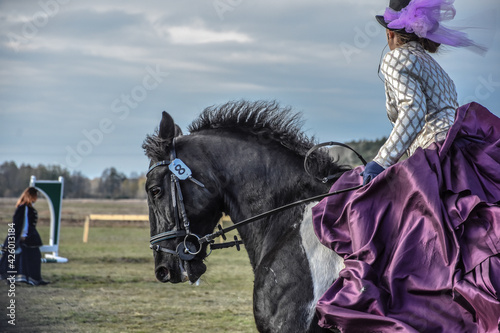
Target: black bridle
(192,243)
(179,171)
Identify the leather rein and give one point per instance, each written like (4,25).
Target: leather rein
(192,243)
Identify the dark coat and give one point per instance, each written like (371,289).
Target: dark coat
(25,264)
(33,238)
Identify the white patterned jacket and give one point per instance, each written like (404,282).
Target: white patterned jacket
(421,102)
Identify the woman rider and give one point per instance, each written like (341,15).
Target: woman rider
(421,241)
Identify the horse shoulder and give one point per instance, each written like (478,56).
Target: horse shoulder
(324,263)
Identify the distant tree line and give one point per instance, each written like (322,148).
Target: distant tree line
(367,149)
(111,185)
(115,185)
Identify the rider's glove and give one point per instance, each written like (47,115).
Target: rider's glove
(372,170)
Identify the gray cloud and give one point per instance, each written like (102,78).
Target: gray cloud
(71,70)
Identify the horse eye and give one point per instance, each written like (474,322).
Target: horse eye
(155,191)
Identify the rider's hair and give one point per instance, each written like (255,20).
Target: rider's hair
(427,44)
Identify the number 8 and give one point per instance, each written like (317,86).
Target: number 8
(180,169)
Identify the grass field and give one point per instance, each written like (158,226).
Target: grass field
(108,285)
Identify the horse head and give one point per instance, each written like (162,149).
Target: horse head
(179,194)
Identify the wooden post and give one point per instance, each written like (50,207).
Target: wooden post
(86,229)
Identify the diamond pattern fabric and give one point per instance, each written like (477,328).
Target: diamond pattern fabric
(421,101)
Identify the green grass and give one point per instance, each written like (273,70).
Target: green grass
(74,211)
(108,285)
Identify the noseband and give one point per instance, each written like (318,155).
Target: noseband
(186,250)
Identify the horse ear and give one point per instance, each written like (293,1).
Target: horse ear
(178,131)
(167,129)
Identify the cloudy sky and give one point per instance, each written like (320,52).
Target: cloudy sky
(83,82)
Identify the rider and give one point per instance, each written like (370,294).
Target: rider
(420,242)
(421,97)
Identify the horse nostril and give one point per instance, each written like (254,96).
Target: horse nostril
(162,274)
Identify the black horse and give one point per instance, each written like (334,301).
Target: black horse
(245,158)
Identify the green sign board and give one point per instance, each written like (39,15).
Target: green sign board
(53,192)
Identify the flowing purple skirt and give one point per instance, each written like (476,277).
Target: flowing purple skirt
(421,242)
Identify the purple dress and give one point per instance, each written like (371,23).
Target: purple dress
(421,242)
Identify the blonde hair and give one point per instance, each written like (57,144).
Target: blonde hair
(29,195)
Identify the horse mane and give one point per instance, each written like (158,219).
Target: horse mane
(261,118)
(271,121)
(265,119)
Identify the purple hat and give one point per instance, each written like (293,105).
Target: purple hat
(424,18)
(395,5)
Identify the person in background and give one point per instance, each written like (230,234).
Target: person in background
(21,248)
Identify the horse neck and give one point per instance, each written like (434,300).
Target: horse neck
(257,178)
